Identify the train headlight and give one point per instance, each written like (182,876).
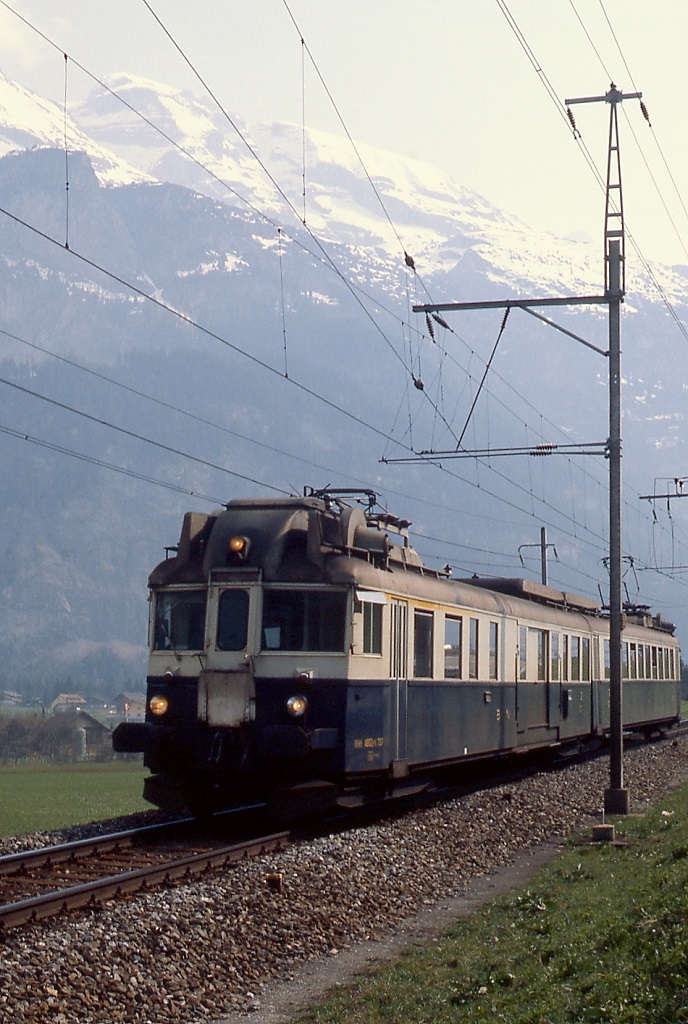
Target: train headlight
(296,706)
(158,704)
(237,549)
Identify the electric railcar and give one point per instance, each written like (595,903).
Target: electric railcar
(302,655)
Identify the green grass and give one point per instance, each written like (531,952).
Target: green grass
(40,797)
(601,936)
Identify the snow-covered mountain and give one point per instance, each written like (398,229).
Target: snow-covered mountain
(293,174)
(273,355)
(28,121)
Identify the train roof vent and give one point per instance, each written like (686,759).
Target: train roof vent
(659,622)
(532,591)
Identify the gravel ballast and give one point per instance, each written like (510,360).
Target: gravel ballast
(217,947)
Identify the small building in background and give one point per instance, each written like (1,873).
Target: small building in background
(10,699)
(131,706)
(68,702)
(87,737)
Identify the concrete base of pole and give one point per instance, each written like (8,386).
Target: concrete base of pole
(616,801)
(603,833)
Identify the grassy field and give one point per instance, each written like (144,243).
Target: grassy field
(41,796)
(600,936)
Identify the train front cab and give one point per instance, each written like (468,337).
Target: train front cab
(248,694)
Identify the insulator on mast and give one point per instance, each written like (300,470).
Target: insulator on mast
(431,329)
(572,120)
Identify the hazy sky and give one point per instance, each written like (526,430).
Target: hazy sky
(447,81)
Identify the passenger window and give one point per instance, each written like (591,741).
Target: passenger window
(554,657)
(494,649)
(473,649)
(422,644)
(585,659)
(303,620)
(372,625)
(523,652)
(575,658)
(452,647)
(232,620)
(539,637)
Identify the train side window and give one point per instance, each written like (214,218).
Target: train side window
(624,661)
(232,620)
(304,620)
(648,662)
(372,628)
(539,637)
(369,605)
(494,649)
(607,660)
(422,644)
(523,652)
(575,658)
(566,650)
(554,657)
(585,659)
(180,620)
(472,648)
(452,647)
(641,661)
(632,661)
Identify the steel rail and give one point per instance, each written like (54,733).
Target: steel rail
(46,856)
(90,893)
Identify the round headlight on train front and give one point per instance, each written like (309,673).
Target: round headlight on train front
(296,706)
(237,549)
(158,704)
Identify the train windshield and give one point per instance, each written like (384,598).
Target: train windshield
(304,620)
(180,620)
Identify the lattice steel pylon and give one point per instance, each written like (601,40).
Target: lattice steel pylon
(613,211)
(614,227)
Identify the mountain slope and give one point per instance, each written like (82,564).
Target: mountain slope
(272,359)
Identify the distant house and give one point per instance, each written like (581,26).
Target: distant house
(83,735)
(10,699)
(68,702)
(132,706)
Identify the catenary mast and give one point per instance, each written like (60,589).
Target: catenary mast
(616,798)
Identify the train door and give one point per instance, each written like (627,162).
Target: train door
(533,688)
(398,663)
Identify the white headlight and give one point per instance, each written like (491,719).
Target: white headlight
(158,705)
(296,706)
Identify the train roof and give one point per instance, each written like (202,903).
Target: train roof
(342,537)
(532,591)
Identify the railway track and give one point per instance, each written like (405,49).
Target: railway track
(36,884)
